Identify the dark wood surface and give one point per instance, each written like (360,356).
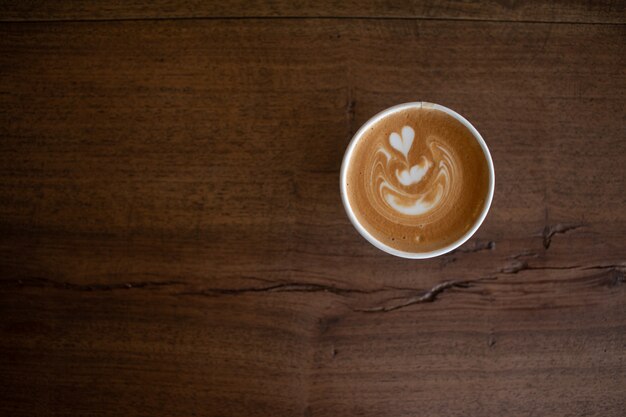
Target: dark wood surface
(578,11)
(172,240)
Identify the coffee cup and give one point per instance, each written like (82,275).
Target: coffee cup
(417,180)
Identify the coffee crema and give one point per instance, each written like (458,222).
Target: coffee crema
(417,179)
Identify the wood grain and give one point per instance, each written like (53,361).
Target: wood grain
(580,11)
(172,240)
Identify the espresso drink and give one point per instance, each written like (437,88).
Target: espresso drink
(417,179)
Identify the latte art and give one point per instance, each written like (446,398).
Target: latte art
(411,188)
(417,180)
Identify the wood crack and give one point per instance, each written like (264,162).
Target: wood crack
(46,282)
(424,297)
(609,266)
(616,277)
(398,299)
(550,230)
(428,296)
(282,287)
(360,17)
(517,266)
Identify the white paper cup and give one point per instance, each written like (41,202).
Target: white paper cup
(346,164)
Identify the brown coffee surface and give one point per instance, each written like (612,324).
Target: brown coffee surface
(417,179)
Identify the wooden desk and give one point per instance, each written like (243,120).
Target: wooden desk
(172,240)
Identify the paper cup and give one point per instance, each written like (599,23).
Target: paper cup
(346,164)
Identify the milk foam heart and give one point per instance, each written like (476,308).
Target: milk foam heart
(415,174)
(402,143)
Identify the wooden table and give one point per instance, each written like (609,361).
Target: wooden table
(172,240)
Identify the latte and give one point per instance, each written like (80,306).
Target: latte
(417,179)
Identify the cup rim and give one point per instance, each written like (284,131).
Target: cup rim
(346,162)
